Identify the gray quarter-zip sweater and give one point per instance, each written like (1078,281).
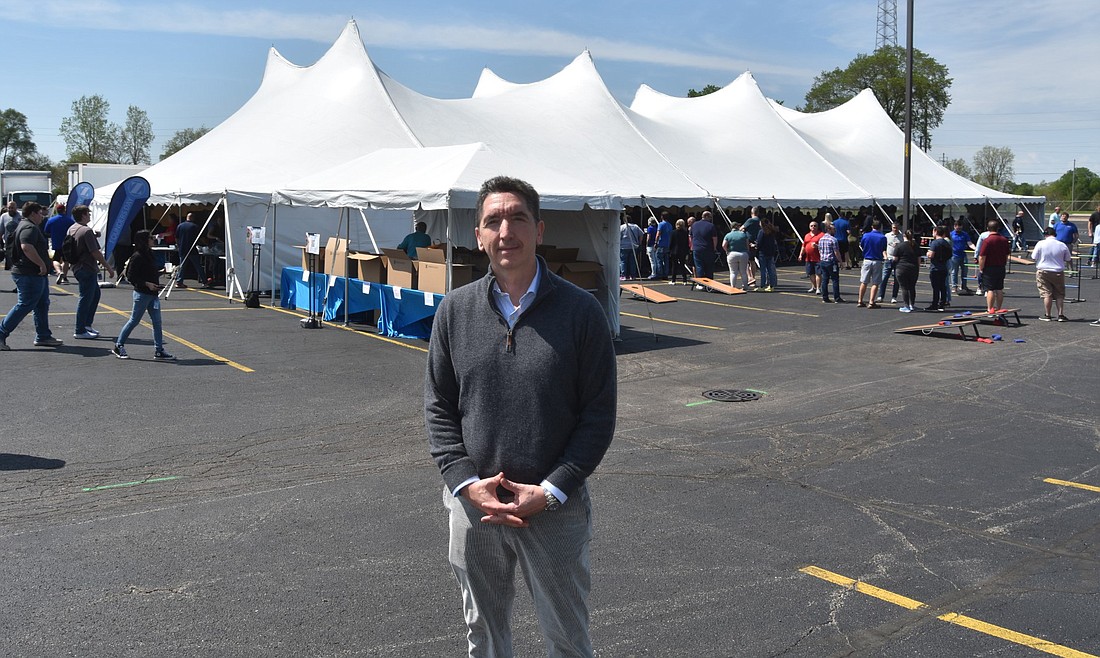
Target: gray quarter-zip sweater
(537,402)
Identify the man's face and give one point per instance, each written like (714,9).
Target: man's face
(508,233)
(37,216)
(12,208)
(813,227)
(1065,218)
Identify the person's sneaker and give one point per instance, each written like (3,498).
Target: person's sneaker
(181,284)
(4,341)
(840,300)
(120,352)
(826,301)
(893,300)
(931,308)
(812,290)
(161,355)
(91,331)
(3,345)
(85,335)
(1045,318)
(879,300)
(905,309)
(941,309)
(47,342)
(60,279)
(1062,318)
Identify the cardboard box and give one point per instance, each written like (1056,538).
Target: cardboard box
(432,265)
(336,257)
(585,274)
(557,255)
(367,267)
(401,271)
(319,266)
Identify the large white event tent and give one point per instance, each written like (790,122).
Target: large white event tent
(340,134)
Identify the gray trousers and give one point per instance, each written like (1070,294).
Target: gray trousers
(552,553)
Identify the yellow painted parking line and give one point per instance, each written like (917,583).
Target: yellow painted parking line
(1076,485)
(354,331)
(750,308)
(683,324)
(187,343)
(955,618)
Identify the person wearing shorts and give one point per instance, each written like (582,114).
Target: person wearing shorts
(873,245)
(1051,258)
(992,260)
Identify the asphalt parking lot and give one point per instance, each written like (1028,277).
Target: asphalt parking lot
(270,494)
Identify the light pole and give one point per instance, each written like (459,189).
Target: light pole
(908,113)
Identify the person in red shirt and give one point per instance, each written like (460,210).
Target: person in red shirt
(992,261)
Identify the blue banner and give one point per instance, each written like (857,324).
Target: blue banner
(81,195)
(129,197)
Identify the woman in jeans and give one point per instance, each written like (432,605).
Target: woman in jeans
(767,250)
(143,272)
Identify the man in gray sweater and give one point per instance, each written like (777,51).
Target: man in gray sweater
(519,401)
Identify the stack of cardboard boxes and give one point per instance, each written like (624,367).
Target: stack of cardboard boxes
(429,272)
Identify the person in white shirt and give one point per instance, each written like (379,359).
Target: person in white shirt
(1051,258)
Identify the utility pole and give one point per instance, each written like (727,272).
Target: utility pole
(887,32)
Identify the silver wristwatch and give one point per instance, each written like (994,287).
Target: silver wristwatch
(552,502)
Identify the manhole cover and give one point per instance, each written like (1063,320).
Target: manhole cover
(727,395)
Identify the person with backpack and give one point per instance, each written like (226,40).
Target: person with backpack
(939,256)
(143,273)
(81,251)
(55,228)
(27,249)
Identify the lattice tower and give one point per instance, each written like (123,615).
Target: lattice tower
(887,32)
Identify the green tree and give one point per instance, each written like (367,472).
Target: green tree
(181,139)
(959,166)
(88,135)
(1079,185)
(135,137)
(1023,189)
(883,72)
(993,167)
(16,140)
(709,89)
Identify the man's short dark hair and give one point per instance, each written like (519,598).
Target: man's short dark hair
(877,224)
(81,211)
(1048,230)
(508,185)
(31,207)
(992,226)
(421,227)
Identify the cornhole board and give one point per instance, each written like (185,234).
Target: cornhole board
(648,294)
(927,329)
(1000,314)
(1021,261)
(717,287)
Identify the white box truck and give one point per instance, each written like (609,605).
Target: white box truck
(25,186)
(101,175)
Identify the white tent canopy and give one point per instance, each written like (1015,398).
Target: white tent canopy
(341,133)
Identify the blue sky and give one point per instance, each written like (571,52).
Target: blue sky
(1025,73)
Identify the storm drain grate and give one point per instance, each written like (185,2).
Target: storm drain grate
(731,395)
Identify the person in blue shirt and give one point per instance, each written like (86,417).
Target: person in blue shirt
(1066,231)
(55,229)
(664,241)
(873,245)
(651,246)
(960,242)
(842,227)
(418,238)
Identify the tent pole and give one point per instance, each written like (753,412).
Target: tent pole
(347,279)
(638,269)
(721,211)
(449,276)
(789,222)
(1028,211)
(331,265)
(998,213)
(274,245)
(366,223)
(230,261)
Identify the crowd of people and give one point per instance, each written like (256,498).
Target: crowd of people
(72,245)
(690,249)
